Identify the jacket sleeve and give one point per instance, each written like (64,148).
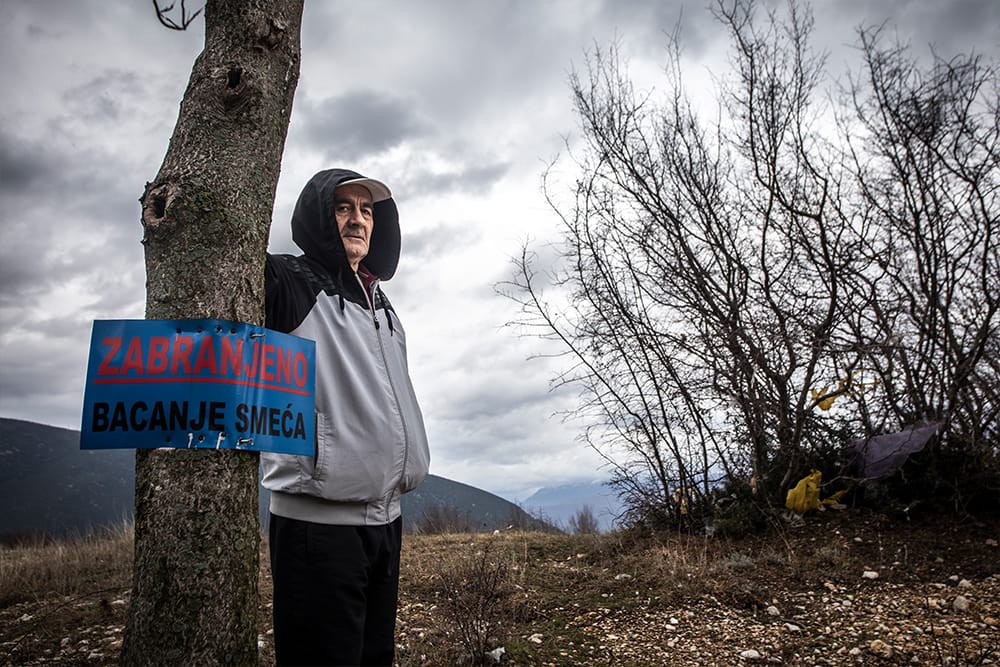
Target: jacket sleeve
(288,296)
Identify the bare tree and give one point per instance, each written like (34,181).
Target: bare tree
(584,522)
(206,217)
(926,157)
(723,279)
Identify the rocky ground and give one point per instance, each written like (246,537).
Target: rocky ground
(848,589)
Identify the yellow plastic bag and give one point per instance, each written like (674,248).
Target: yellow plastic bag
(805,495)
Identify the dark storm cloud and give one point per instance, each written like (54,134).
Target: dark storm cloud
(469,179)
(23,273)
(474,179)
(28,170)
(27,383)
(52,194)
(358,123)
(23,166)
(922,23)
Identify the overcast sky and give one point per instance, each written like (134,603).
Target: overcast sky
(457,106)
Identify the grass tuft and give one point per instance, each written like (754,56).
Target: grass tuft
(40,568)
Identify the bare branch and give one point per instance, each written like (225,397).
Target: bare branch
(166,21)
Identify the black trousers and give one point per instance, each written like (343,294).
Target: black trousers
(335,592)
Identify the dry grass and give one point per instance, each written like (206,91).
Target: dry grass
(39,569)
(597,599)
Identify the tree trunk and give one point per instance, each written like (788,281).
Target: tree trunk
(206,219)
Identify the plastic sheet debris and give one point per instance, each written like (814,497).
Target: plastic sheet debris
(882,455)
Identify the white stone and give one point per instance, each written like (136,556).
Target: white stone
(773,611)
(619,577)
(536,638)
(961,604)
(497,653)
(965,583)
(791,627)
(750,654)
(870,574)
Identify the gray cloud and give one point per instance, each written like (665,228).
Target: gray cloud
(469,179)
(430,243)
(23,167)
(358,123)
(947,25)
(455,103)
(105,98)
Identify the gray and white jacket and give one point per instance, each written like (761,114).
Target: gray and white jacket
(371,446)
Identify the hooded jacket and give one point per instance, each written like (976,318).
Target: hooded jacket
(371,446)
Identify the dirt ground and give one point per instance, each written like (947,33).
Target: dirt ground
(847,588)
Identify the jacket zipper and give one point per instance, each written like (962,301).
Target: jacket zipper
(395,395)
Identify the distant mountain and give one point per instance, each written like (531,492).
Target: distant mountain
(439,498)
(558,504)
(49,486)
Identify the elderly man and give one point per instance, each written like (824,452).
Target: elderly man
(335,526)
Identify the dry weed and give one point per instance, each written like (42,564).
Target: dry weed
(37,569)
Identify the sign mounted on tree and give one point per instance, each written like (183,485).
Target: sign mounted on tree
(198,384)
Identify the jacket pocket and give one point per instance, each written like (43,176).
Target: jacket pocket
(325,440)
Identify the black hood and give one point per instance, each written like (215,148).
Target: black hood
(314,228)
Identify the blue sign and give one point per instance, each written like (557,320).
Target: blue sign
(205,384)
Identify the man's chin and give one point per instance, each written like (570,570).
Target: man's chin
(353,260)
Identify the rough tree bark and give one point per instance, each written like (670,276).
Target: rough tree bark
(206,218)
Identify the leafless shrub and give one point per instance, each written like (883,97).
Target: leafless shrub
(443,519)
(478,599)
(584,522)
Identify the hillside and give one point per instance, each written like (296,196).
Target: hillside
(848,588)
(59,490)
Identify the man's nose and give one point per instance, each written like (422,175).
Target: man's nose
(355,216)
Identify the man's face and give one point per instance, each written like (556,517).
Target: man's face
(352,207)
